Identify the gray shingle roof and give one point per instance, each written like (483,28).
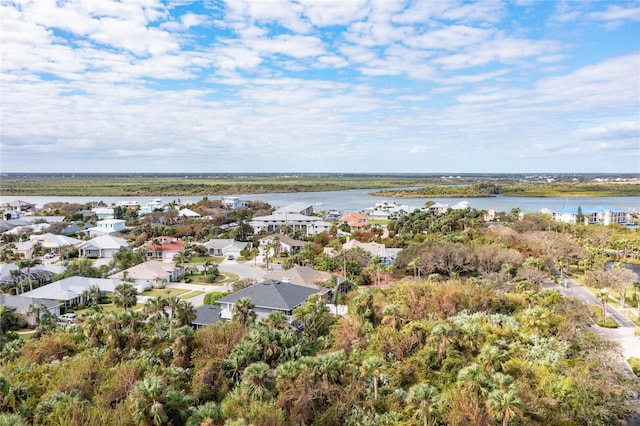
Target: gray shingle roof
(272,294)
(207,314)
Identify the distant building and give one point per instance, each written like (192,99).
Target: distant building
(19,205)
(602,215)
(107,226)
(306,225)
(233,203)
(296,208)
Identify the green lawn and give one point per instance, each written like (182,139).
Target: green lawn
(191,294)
(165,292)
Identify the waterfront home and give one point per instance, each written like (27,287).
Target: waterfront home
(152,206)
(150,273)
(268,296)
(233,203)
(305,225)
(187,213)
(102,247)
(102,212)
(296,208)
(281,243)
(438,208)
(355,221)
(107,226)
(21,206)
(163,248)
(602,215)
(224,247)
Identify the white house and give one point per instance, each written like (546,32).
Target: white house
(150,273)
(102,212)
(602,215)
(234,203)
(296,208)
(54,242)
(107,226)
(102,247)
(224,247)
(188,213)
(306,225)
(70,290)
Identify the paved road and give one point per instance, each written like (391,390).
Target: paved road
(624,334)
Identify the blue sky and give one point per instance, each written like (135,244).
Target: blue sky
(320,86)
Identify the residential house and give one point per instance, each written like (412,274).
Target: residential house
(54,242)
(224,247)
(438,208)
(163,248)
(305,225)
(24,249)
(490,215)
(150,273)
(268,296)
(19,205)
(355,220)
(102,247)
(39,274)
(386,210)
(102,212)
(375,249)
(108,226)
(305,276)
(188,213)
(286,244)
(22,303)
(206,315)
(296,208)
(234,203)
(70,291)
(12,214)
(152,206)
(6,225)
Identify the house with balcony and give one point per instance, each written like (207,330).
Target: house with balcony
(281,243)
(305,225)
(602,215)
(296,208)
(19,205)
(107,226)
(233,203)
(268,296)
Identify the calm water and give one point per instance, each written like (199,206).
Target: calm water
(355,200)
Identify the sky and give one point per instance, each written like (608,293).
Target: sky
(323,86)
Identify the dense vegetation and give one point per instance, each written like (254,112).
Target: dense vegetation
(460,331)
(512,189)
(190,185)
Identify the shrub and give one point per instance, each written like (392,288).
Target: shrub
(634,363)
(210,298)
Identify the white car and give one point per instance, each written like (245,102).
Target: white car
(49,256)
(68,318)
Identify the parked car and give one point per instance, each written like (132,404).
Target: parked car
(68,318)
(230,257)
(49,256)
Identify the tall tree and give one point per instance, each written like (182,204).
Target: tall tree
(125,296)
(243,311)
(423,396)
(29,263)
(372,366)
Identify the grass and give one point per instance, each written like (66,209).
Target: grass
(190,294)
(110,307)
(165,292)
(634,363)
(597,318)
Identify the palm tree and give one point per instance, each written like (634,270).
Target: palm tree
(504,404)
(125,296)
(603,297)
(415,264)
(93,293)
(534,320)
(372,366)
(172,304)
(258,380)
(36,312)
(29,263)
(148,401)
(156,309)
(243,311)
(7,316)
(186,313)
(422,396)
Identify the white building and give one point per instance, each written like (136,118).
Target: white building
(107,226)
(233,203)
(602,215)
(102,247)
(306,225)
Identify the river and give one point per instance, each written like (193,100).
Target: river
(355,200)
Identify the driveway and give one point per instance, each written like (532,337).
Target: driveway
(624,334)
